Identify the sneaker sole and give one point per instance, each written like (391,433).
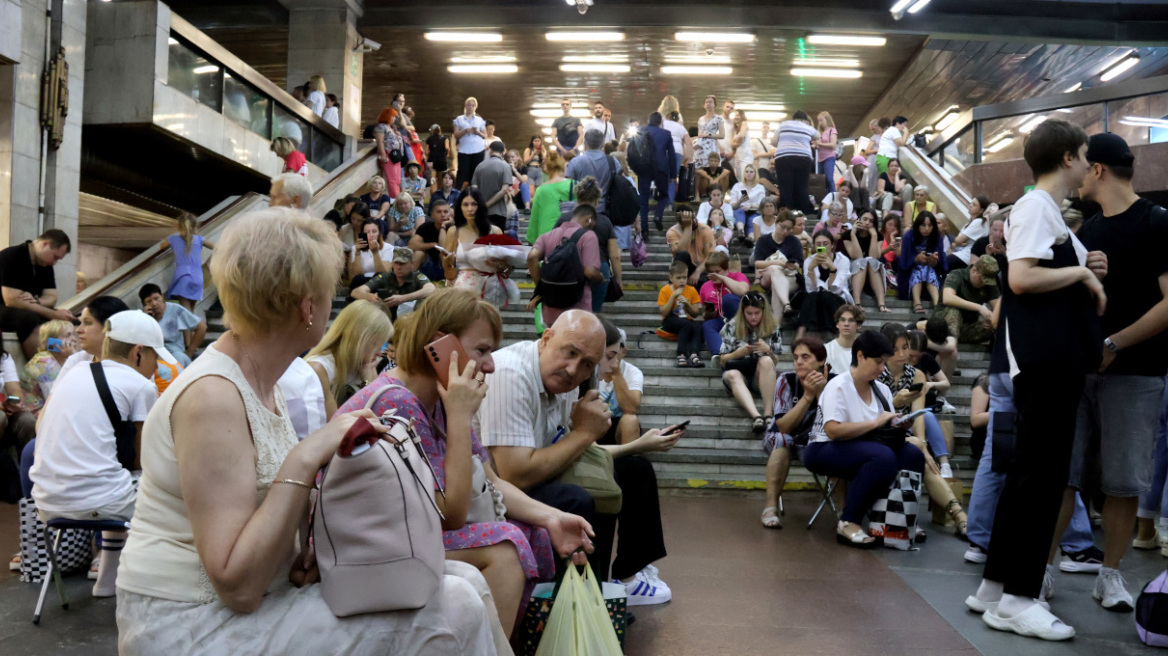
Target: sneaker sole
(1118,607)
(637,600)
(978,559)
(1079,568)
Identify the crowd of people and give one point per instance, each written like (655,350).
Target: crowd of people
(426,250)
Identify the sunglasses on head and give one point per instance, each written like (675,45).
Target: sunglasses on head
(754,299)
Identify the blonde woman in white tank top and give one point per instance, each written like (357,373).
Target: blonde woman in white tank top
(214,543)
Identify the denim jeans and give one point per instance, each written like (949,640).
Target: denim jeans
(934,437)
(1155,501)
(827,168)
(525,192)
(712,328)
(743,219)
(987,484)
(600,289)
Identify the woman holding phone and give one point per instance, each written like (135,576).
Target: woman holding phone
(461,331)
(751,343)
(346,358)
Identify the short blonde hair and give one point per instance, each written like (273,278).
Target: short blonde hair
(283,146)
(448,310)
(49,329)
(406,200)
(317,83)
(266,262)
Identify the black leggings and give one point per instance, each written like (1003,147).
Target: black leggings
(688,331)
(467,163)
(793,172)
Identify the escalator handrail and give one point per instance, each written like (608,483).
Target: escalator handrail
(224,211)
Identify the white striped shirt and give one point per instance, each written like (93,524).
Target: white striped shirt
(795,139)
(518,410)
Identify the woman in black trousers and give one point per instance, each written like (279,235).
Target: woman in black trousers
(793,161)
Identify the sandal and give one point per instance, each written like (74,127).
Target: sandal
(1035,622)
(960,520)
(919,309)
(758,425)
(695,361)
(857,539)
(14,564)
(787,309)
(884,309)
(682,362)
(770,517)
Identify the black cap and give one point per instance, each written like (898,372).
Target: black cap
(1109,150)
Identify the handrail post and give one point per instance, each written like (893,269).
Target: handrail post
(977,142)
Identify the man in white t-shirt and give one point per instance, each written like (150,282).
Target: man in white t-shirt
(77,473)
(890,143)
(849,320)
(597,122)
(842,195)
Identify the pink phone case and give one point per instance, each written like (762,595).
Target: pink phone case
(438,353)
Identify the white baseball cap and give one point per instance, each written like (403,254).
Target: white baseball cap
(137,327)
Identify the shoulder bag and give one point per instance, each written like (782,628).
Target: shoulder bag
(888,435)
(593,471)
(125,434)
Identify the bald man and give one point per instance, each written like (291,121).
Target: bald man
(536,425)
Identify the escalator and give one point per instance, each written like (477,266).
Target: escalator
(951,198)
(157,265)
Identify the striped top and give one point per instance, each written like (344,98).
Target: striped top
(795,139)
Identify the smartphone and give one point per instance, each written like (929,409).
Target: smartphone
(678,428)
(438,352)
(15,400)
(916,387)
(908,419)
(54,344)
(820,249)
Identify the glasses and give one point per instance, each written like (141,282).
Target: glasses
(753,299)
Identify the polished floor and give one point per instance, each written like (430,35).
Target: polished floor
(738,589)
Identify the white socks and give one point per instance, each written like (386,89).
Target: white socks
(110,543)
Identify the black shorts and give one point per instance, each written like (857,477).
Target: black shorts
(21,322)
(747,367)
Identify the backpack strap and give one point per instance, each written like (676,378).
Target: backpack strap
(123,438)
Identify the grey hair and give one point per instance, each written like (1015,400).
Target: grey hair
(594,139)
(923,188)
(295,184)
(836,206)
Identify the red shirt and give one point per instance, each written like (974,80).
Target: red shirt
(296,162)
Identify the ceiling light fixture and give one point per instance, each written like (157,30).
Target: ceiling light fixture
(845,40)
(483,68)
(546,122)
(580,112)
(919,5)
(828,63)
(594,68)
(595,58)
(763,107)
(947,119)
(1143,121)
(1120,67)
(716,37)
(826,72)
(464,37)
(203,70)
(557,104)
(585,36)
(483,59)
(697,70)
(1028,126)
(1000,144)
(580,5)
(698,59)
(171,41)
(764,116)
(1074,87)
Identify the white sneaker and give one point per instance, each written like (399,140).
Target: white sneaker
(642,591)
(1111,591)
(946,470)
(654,576)
(975,555)
(946,407)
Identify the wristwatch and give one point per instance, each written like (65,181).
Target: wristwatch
(1110,345)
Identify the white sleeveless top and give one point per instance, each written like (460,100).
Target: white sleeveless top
(160,559)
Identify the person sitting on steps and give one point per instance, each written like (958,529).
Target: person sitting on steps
(681,315)
(849,320)
(751,343)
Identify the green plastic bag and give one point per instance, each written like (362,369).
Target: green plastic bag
(579,624)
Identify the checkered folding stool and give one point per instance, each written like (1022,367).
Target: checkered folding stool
(53,531)
(75,551)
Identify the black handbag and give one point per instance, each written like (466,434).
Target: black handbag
(889,435)
(614,292)
(125,433)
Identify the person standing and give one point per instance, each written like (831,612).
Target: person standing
(664,172)
(825,149)
(493,179)
(890,143)
(437,149)
(1048,279)
(1120,410)
(793,162)
(599,122)
(469,131)
(28,290)
(569,131)
(711,129)
(593,162)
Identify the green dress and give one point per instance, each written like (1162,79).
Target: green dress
(545,207)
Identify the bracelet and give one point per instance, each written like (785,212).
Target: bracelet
(292,481)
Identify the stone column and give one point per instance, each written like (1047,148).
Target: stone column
(322,36)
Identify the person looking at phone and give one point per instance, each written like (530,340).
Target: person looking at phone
(968,300)
(826,276)
(28,290)
(621,385)
(58,341)
(862,246)
(993,243)
(751,343)
(401,290)
(536,425)
(720,296)
(690,242)
(403,218)
(370,255)
(746,198)
(777,259)
(345,359)
(853,407)
(922,261)
(796,405)
(428,239)
(908,386)
(441,398)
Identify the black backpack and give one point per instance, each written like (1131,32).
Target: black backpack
(622,204)
(640,153)
(561,274)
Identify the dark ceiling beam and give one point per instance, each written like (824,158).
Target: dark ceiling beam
(1075,25)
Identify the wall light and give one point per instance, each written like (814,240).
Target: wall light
(1120,68)
(465,37)
(483,68)
(697,70)
(716,37)
(845,40)
(947,119)
(826,72)
(585,36)
(483,59)
(594,68)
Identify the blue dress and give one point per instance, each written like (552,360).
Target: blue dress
(188,269)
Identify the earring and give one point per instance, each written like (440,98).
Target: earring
(309,326)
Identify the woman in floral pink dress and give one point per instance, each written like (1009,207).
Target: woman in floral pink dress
(511,554)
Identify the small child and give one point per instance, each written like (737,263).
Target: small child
(186,286)
(681,314)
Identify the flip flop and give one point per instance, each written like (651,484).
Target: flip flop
(978,606)
(682,362)
(919,309)
(1034,622)
(758,425)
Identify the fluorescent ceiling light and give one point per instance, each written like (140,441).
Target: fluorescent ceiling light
(716,37)
(918,6)
(947,119)
(483,68)
(900,6)
(697,70)
(1028,126)
(595,58)
(556,105)
(764,107)
(826,72)
(764,116)
(845,40)
(585,36)
(203,70)
(1143,121)
(1000,144)
(594,68)
(1119,69)
(579,112)
(171,41)
(1074,87)
(1065,111)
(698,59)
(546,122)
(827,63)
(483,59)
(465,37)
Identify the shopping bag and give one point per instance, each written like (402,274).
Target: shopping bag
(539,609)
(894,517)
(637,252)
(578,623)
